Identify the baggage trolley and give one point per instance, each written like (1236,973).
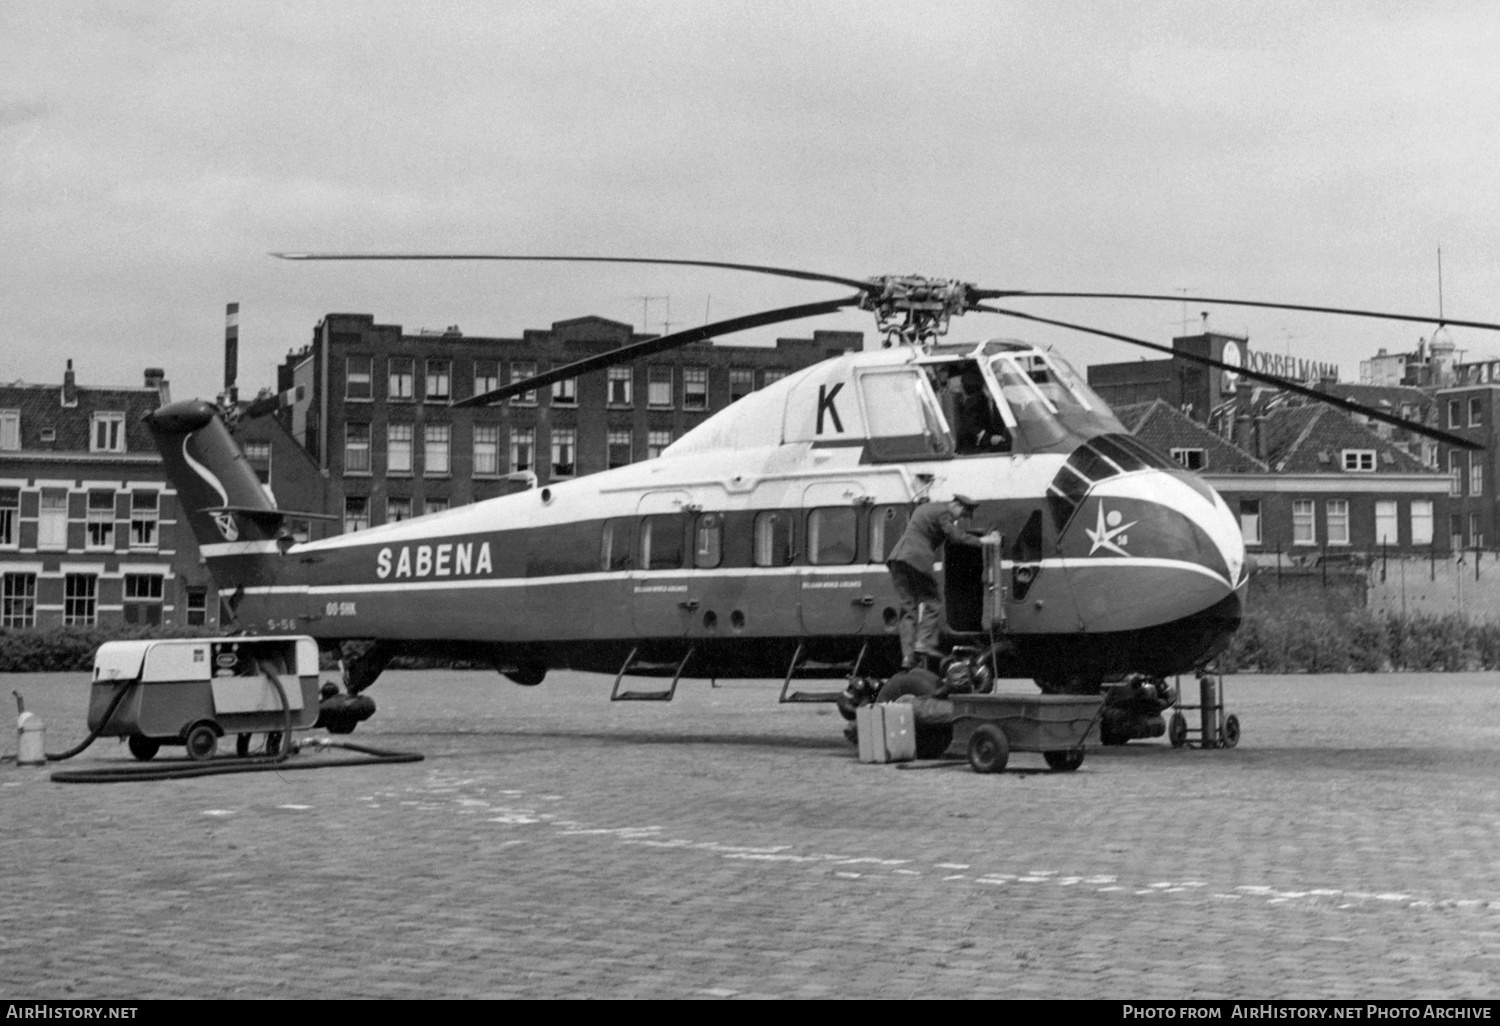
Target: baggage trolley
(1215,729)
(990,727)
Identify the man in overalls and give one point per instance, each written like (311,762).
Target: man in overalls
(911,566)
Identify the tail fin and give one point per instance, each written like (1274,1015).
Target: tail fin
(228,511)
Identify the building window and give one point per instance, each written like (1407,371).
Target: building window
(197,607)
(107,433)
(18,600)
(259,455)
(1192,459)
(1421,522)
(1250,521)
(1453,413)
(695,388)
(659,388)
(486,450)
(708,541)
(397,510)
(403,379)
(1304,526)
(564,452)
(830,535)
(565,392)
(1455,472)
(1386,521)
(1476,473)
(773,538)
(620,386)
(398,448)
(656,441)
(741,383)
(486,376)
(1456,531)
(1475,413)
(619,448)
(522,448)
(80,599)
(10,512)
(436,505)
(1476,535)
(356,448)
(100,530)
(52,520)
(1359,461)
(435,439)
(356,513)
(145,514)
(10,429)
(520,372)
(774,374)
(1338,521)
(357,377)
(143,598)
(439,380)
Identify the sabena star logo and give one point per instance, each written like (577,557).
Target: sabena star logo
(1109,533)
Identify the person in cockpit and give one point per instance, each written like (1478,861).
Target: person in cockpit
(978,429)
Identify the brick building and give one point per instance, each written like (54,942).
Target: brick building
(376,414)
(1308,480)
(89,530)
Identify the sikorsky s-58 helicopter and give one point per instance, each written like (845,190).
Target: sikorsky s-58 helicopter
(754,546)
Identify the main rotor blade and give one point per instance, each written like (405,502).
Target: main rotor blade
(1269,379)
(1416,319)
(626,354)
(780,272)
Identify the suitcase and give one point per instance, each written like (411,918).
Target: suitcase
(887,732)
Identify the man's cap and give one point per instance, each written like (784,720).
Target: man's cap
(965,501)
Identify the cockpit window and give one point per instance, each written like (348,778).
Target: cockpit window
(1050,402)
(1092,462)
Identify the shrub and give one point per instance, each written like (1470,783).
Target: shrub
(63,649)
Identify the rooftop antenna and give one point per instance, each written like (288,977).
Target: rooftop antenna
(1440,286)
(646,302)
(667,322)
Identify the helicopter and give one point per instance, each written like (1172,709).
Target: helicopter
(754,546)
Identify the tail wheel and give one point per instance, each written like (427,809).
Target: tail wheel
(1064,761)
(1177,730)
(989,749)
(932,740)
(202,741)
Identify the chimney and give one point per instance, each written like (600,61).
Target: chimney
(232,352)
(157,378)
(70,387)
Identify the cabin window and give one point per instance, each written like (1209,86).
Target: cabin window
(773,538)
(614,544)
(708,541)
(903,421)
(661,542)
(831,536)
(886,526)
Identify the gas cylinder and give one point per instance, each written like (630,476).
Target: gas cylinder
(31,745)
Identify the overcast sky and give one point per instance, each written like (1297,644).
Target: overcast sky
(152,154)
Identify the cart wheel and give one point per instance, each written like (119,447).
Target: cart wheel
(1177,730)
(202,740)
(273,743)
(242,745)
(1231,735)
(1065,761)
(143,748)
(932,740)
(989,749)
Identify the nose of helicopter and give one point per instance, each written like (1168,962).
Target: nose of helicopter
(1154,548)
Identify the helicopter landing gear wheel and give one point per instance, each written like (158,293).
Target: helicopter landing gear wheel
(989,749)
(202,741)
(1231,735)
(1064,761)
(932,740)
(1177,730)
(143,748)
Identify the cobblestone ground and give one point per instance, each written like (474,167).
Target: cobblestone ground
(556,845)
